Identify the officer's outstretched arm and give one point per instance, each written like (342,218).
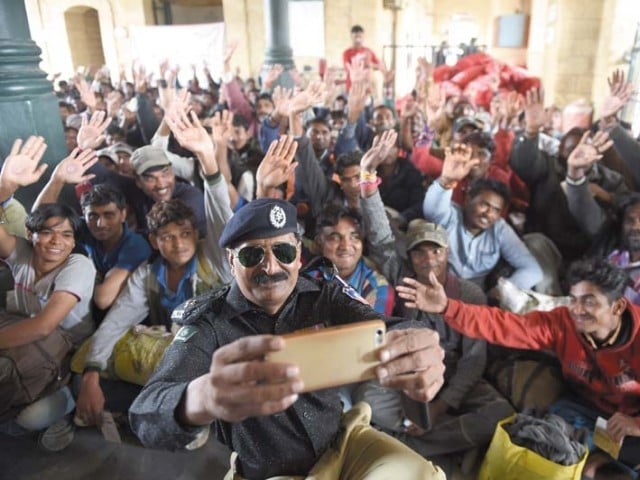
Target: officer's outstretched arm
(240,384)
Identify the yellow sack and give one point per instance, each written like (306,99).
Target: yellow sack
(506,461)
(134,357)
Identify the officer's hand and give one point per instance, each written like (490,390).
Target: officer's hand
(240,384)
(90,402)
(412,361)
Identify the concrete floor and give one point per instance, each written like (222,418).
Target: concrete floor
(91,457)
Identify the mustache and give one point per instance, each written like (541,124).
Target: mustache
(263,278)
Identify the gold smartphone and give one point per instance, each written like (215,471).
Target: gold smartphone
(333,356)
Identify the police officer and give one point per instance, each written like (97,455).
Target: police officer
(214,372)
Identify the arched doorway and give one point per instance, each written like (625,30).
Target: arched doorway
(83,31)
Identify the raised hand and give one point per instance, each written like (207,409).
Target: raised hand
(458,162)
(189,132)
(21,167)
(221,128)
(424,69)
(71,170)
(86,94)
(272,75)
(140,78)
(114,103)
(429,298)
(436,100)
(314,93)
(90,134)
(277,165)
(382,145)
(281,97)
(619,94)
(358,71)
(228,54)
(512,106)
(534,114)
(357,101)
(164,68)
(586,153)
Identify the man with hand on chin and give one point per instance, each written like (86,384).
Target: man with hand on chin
(214,372)
(595,339)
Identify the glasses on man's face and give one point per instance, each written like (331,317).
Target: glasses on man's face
(253,255)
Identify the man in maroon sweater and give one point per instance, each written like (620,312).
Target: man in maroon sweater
(596,338)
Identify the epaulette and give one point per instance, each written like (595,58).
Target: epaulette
(188,312)
(329,273)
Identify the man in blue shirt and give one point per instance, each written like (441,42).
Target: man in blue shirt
(478,234)
(104,236)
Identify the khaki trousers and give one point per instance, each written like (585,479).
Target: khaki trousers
(362,452)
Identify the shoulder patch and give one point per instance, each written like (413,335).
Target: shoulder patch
(189,311)
(185,333)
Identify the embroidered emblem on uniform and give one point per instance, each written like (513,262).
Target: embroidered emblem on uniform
(184,334)
(277,217)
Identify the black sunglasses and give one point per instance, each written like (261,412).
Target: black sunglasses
(253,255)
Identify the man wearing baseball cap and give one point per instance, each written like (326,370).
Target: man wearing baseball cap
(464,413)
(214,373)
(153,181)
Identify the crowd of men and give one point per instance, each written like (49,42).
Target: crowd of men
(222,196)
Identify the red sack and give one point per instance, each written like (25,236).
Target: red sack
(473,60)
(443,72)
(463,78)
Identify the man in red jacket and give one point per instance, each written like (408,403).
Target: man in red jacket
(596,338)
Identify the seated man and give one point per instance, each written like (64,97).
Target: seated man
(464,413)
(52,299)
(595,339)
(339,237)
(478,235)
(545,174)
(115,250)
(214,372)
(183,268)
(154,181)
(618,238)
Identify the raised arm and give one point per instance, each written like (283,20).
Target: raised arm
(526,158)
(276,167)
(70,171)
(620,93)
(437,206)
(582,204)
(191,135)
(221,131)
(379,236)
(20,169)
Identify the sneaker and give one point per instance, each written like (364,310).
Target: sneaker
(57,437)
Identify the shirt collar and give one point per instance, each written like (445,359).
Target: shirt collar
(159,269)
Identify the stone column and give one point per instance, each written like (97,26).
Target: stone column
(28,105)
(278,50)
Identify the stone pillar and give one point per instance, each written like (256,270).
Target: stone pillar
(278,50)
(28,105)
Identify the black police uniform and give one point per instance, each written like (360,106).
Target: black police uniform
(286,443)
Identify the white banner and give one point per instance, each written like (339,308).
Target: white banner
(182,45)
